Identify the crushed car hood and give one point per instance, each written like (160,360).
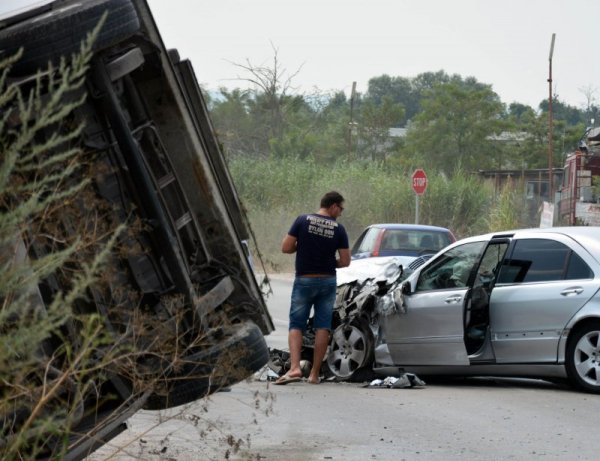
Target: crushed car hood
(379,269)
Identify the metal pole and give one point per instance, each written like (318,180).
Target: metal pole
(550,125)
(416,208)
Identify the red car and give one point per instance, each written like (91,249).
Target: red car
(400,240)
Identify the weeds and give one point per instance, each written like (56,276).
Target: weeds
(275,191)
(81,344)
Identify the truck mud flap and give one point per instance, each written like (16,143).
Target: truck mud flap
(217,295)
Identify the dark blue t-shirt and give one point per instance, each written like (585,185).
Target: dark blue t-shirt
(318,239)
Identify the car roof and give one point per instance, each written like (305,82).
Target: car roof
(399,226)
(576,232)
(587,236)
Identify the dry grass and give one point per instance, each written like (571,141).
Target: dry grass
(69,322)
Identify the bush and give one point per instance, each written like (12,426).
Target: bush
(44,184)
(275,191)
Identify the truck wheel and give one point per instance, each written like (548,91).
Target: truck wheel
(241,352)
(60,31)
(583,357)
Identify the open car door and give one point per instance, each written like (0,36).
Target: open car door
(429,330)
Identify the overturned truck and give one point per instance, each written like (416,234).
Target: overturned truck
(176,292)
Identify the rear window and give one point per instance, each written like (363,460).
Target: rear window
(398,239)
(367,242)
(542,260)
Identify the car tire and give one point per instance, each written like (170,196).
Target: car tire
(351,351)
(241,352)
(583,357)
(59,32)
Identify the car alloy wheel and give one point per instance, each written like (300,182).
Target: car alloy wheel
(351,349)
(583,357)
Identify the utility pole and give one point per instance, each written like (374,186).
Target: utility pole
(550,125)
(351,124)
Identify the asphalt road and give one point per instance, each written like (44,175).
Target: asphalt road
(466,419)
(279,303)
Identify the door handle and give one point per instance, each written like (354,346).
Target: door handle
(572,291)
(453,299)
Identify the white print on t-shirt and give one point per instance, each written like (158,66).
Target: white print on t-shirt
(321,226)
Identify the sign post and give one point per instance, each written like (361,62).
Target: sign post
(419,185)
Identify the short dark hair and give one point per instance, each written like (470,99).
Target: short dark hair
(331,198)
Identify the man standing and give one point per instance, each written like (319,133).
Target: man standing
(316,239)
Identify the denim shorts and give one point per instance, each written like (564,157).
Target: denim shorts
(307,292)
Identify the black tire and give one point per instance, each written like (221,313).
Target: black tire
(351,351)
(583,357)
(241,352)
(60,31)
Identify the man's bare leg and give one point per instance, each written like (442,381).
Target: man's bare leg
(295,344)
(321,343)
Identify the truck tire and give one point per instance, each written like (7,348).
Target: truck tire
(60,31)
(241,352)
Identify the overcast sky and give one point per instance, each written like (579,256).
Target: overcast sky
(505,43)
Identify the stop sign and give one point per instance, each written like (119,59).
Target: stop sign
(419,181)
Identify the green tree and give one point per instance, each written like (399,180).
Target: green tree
(565,112)
(373,127)
(517,111)
(454,126)
(530,133)
(397,89)
(313,128)
(426,81)
(235,126)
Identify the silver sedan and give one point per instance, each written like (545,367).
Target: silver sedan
(517,303)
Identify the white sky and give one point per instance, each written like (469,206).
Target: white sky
(505,43)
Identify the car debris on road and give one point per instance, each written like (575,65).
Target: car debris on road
(404,381)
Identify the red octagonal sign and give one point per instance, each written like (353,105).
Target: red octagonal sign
(419,181)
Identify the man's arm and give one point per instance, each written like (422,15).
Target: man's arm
(344,259)
(289,244)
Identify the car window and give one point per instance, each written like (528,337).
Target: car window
(428,240)
(542,260)
(397,240)
(402,239)
(490,263)
(578,269)
(367,242)
(451,269)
